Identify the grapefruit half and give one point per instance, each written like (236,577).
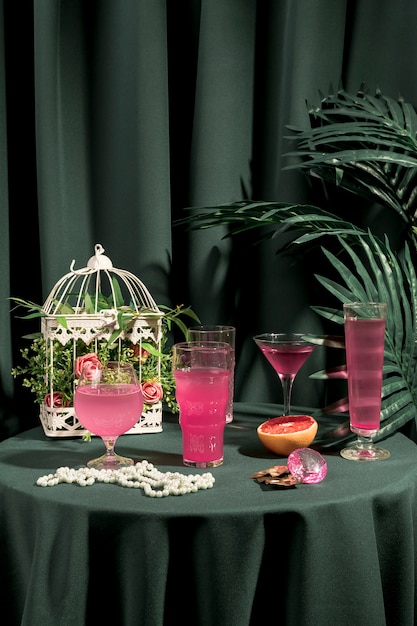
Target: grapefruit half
(287,433)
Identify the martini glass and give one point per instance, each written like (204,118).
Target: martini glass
(108,401)
(287,353)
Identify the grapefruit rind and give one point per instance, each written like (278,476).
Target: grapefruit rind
(282,435)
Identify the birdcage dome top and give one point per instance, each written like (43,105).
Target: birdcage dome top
(98,286)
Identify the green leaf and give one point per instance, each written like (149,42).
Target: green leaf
(114,336)
(89,304)
(366,144)
(62,320)
(149,347)
(118,297)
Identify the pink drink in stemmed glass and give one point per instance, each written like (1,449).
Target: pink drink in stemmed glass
(365,358)
(108,401)
(108,411)
(364,337)
(287,353)
(287,358)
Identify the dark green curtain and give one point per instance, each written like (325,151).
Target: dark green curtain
(115,115)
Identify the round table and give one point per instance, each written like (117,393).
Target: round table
(343,551)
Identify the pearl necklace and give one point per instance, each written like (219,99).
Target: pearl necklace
(143,475)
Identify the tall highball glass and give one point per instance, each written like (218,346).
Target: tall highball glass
(218,332)
(364,338)
(202,372)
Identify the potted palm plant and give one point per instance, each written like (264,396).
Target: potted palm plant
(365,145)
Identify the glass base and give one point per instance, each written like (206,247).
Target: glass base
(110,462)
(364,453)
(203,464)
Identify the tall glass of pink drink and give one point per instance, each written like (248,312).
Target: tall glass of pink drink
(218,332)
(202,372)
(108,401)
(364,338)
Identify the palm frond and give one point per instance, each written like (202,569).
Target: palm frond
(365,144)
(307,222)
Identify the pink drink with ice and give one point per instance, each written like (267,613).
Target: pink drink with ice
(202,395)
(287,358)
(365,359)
(108,410)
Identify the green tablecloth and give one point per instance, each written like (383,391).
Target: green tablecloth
(340,552)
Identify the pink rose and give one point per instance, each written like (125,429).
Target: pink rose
(90,362)
(152,392)
(55,400)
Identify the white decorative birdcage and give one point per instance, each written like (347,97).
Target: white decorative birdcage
(80,319)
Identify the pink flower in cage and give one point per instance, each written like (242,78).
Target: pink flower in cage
(152,392)
(144,355)
(140,353)
(90,362)
(55,400)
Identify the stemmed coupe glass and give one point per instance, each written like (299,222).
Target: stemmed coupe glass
(286,352)
(108,401)
(364,338)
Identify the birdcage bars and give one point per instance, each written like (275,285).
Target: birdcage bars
(74,318)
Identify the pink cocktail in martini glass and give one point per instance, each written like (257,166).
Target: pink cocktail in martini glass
(287,353)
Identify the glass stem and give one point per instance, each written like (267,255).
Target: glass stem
(286,382)
(110,442)
(364,442)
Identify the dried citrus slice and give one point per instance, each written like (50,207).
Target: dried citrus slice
(287,433)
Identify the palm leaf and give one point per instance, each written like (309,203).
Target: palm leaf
(273,219)
(365,144)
